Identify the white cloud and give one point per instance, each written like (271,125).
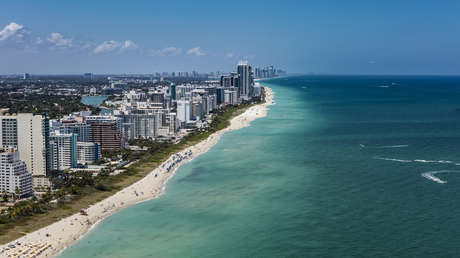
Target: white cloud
(107,46)
(229,55)
(112,45)
(169,51)
(196,51)
(13,30)
(129,44)
(59,41)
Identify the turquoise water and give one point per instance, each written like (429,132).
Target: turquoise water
(96,101)
(334,170)
(93,100)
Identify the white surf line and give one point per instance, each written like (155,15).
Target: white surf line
(431,175)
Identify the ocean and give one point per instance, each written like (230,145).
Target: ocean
(342,166)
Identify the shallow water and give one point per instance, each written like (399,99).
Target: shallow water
(336,169)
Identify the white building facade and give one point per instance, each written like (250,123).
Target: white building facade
(14,177)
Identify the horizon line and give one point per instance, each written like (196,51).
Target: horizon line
(288,75)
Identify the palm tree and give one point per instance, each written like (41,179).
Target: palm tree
(5,195)
(16,194)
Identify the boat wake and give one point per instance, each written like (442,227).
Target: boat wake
(384,146)
(434,161)
(393,146)
(397,160)
(419,160)
(431,175)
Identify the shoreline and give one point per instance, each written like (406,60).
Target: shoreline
(66,232)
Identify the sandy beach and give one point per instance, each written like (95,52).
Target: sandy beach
(51,240)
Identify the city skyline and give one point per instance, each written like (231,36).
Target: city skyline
(314,37)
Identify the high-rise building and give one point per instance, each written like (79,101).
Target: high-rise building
(172,91)
(9,131)
(82,130)
(231,96)
(140,124)
(63,148)
(33,142)
(157,99)
(197,110)
(172,122)
(14,178)
(87,152)
(106,131)
(244,73)
(230,80)
(220,95)
(26,76)
(28,133)
(184,109)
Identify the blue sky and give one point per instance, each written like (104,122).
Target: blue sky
(333,37)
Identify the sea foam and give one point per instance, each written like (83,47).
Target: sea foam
(431,175)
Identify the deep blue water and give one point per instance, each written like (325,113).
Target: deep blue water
(334,170)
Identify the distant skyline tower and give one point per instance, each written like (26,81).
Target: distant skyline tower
(88,76)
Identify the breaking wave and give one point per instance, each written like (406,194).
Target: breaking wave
(431,175)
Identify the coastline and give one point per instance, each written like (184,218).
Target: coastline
(62,234)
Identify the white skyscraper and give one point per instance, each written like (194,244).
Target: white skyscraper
(63,151)
(14,177)
(28,133)
(33,142)
(184,108)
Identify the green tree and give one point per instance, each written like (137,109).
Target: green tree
(5,195)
